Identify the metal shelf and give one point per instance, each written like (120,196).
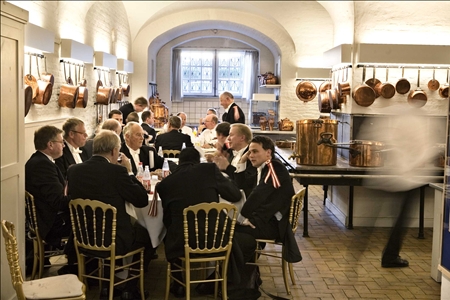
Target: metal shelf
(271,86)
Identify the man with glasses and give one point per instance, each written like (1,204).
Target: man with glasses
(45,181)
(208,137)
(74,137)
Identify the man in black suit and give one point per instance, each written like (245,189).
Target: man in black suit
(139,105)
(148,119)
(44,180)
(267,207)
(74,137)
(173,139)
(230,161)
(136,152)
(105,179)
(233,113)
(109,124)
(192,183)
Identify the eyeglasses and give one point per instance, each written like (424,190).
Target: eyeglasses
(82,133)
(62,142)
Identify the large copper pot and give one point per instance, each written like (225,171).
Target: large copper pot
(308,151)
(160,110)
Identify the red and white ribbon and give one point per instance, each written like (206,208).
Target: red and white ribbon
(271,173)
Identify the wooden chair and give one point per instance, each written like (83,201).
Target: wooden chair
(294,214)
(205,226)
(94,228)
(55,287)
(174,153)
(40,254)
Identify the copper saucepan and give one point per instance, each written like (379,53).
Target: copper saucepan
(402,86)
(48,76)
(68,94)
(125,86)
(373,83)
(364,95)
(326,85)
(386,90)
(443,90)
(433,84)
(324,102)
(31,81)
(83,91)
(344,87)
(417,98)
(306,91)
(28,91)
(45,89)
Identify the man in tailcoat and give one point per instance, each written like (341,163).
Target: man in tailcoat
(138,105)
(74,138)
(173,139)
(105,179)
(233,113)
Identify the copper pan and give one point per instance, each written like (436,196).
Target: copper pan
(48,76)
(373,83)
(28,91)
(417,98)
(306,91)
(364,95)
(402,86)
(433,84)
(443,90)
(386,90)
(119,94)
(103,95)
(82,99)
(344,87)
(326,85)
(45,89)
(324,102)
(68,93)
(31,81)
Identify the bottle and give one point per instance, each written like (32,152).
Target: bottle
(165,169)
(140,172)
(160,152)
(183,146)
(146,180)
(194,132)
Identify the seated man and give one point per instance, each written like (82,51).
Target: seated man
(267,207)
(109,124)
(74,138)
(136,152)
(173,139)
(105,179)
(207,138)
(45,181)
(132,117)
(193,183)
(185,129)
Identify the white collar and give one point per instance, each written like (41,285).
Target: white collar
(226,109)
(48,156)
(132,152)
(72,148)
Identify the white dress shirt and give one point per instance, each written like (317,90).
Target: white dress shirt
(135,155)
(207,136)
(75,153)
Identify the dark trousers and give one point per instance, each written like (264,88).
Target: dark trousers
(394,244)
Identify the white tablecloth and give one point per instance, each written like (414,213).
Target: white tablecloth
(154,225)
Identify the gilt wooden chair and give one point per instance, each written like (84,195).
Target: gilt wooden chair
(94,228)
(40,254)
(294,214)
(171,153)
(56,287)
(206,228)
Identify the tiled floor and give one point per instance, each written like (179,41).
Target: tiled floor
(338,263)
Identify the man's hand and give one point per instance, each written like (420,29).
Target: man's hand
(125,162)
(221,162)
(244,157)
(246,222)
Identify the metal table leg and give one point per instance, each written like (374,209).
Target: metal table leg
(421,212)
(350,208)
(325,194)
(305,213)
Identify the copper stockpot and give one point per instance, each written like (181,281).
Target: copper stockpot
(417,98)
(443,90)
(402,86)
(306,91)
(386,90)
(364,95)
(308,151)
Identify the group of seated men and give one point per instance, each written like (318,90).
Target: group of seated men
(68,165)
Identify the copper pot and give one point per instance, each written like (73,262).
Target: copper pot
(48,76)
(366,153)
(417,98)
(326,85)
(364,95)
(28,91)
(433,84)
(125,89)
(119,93)
(68,95)
(82,99)
(333,95)
(373,83)
(443,90)
(344,87)
(103,95)
(45,89)
(324,102)
(402,86)
(306,91)
(386,90)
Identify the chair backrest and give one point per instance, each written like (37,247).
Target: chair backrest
(174,153)
(208,229)
(31,216)
(296,208)
(93,225)
(12,254)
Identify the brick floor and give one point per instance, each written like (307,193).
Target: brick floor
(338,263)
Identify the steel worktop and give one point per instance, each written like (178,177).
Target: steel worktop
(344,175)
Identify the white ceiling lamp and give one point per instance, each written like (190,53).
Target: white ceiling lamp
(124,66)
(103,60)
(38,40)
(73,51)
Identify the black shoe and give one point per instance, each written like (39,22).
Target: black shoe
(134,295)
(397,262)
(104,293)
(177,290)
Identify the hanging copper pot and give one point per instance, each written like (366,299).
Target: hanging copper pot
(306,91)
(386,90)
(417,98)
(402,86)
(344,87)
(443,90)
(433,84)
(364,95)
(31,81)
(324,102)
(326,85)
(125,86)
(68,94)
(373,83)
(45,89)
(28,91)
(48,76)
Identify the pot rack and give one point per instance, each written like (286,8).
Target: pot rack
(422,67)
(343,67)
(35,54)
(71,63)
